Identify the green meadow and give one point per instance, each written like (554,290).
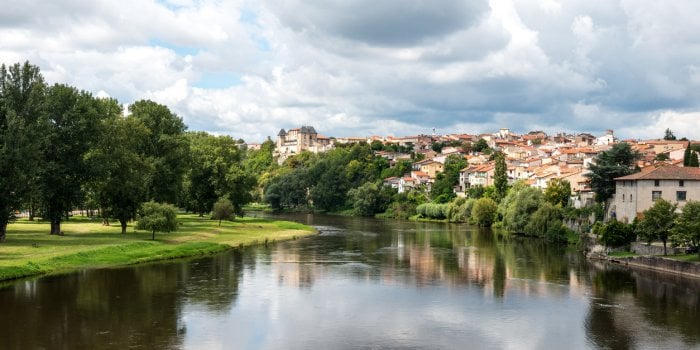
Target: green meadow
(30,250)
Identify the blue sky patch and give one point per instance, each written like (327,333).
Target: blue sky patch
(217,80)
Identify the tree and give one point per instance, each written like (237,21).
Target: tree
(445,181)
(686,155)
(616,162)
(223,210)
(616,234)
(657,222)
(480,146)
(22,96)
(693,162)
(500,177)
(484,212)
(368,199)
(118,168)
(686,232)
(72,128)
(215,172)
(558,192)
(157,217)
(520,207)
(166,148)
(542,219)
(668,135)
(437,146)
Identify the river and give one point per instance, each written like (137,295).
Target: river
(361,283)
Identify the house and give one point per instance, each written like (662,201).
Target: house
(301,139)
(392,182)
(478,175)
(637,192)
(431,167)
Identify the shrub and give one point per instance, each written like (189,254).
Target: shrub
(484,211)
(616,234)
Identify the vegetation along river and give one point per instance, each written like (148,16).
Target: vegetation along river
(360,283)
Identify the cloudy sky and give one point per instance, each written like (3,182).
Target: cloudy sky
(368,67)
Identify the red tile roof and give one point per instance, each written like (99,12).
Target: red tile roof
(665,173)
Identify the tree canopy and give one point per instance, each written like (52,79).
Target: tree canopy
(618,161)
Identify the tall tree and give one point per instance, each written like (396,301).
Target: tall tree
(693,162)
(166,147)
(216,172)
(686,155)
(22,96)
(657,222)
(72,129)
(120,170)
(500,176)
(616,162)
(669,136)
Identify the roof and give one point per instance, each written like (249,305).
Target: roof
(282,133)
(665,173)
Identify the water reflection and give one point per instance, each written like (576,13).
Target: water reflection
(361,283)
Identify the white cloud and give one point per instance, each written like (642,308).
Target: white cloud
(360,68)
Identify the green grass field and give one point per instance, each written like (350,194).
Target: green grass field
(30,250)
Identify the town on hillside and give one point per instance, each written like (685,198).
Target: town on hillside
(535,158)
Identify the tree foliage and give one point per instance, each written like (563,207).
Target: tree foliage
(657,222)
(445,181)
(370,198)
(669,136)
(519,206)
(616,162)
(500,178)
(157,217)
(686,231)
(558,192)
(118,166)
(166,148)
(616,233)
(22,95)
(484,212)
(223,210)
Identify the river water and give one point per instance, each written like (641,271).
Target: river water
(361,283)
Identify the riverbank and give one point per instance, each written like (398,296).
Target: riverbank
(30,250)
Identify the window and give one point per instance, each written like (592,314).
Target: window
(680,196)
(656,183)
(623,197)
(655,195)
(630,197)
(681,183)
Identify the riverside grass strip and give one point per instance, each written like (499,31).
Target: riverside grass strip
(30,250)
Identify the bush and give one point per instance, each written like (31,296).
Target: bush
(484,212)
(432,210)
(547,218)
(223,210)
(616,234)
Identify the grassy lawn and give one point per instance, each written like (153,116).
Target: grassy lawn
(30,250)
(622,254)
(685,257)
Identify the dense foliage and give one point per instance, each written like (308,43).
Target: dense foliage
(157,217)
(616,162)
(657,222)
(62,149)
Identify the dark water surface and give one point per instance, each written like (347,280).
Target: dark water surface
(361,283)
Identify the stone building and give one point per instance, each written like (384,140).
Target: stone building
(637,192)
(297,140)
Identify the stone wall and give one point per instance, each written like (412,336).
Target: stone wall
(657,263)
(644,249)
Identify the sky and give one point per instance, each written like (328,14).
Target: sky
(248,68)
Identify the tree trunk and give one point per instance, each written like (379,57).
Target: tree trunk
(123,222)
(3,231)
(56,227)
(154,235)
(105,221)
(664,246)
(31,212)
(219,222)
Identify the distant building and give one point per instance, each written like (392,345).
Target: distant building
(637,192)
(298,140)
